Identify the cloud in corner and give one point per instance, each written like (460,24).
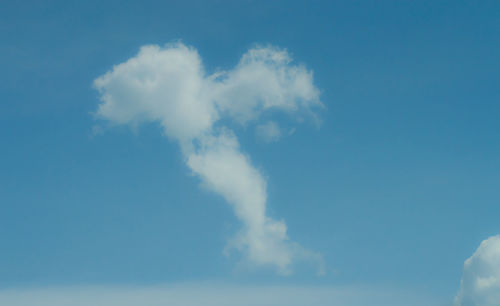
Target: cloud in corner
(480,284)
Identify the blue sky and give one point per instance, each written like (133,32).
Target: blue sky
(393,183)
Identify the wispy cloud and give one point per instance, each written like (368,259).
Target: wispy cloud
(169,85)
(268,132)
(214,295)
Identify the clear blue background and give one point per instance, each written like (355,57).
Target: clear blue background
(398,185)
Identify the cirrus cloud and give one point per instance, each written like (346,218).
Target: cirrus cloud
(202,294)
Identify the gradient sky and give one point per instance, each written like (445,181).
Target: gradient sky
(396,187)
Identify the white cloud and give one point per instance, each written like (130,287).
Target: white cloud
(265,79)
(480,284)
(169,85)
(166,85)
(268,132)
(213,295)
